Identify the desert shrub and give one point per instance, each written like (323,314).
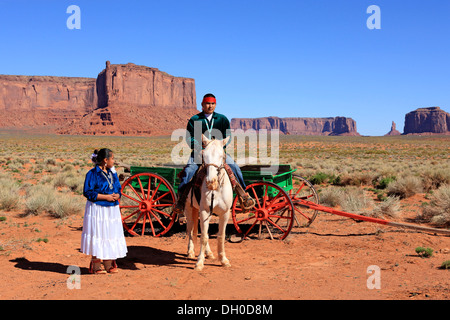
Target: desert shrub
(76,184)
(350,180)
(60,180)
(68,168)
(319,178)
(390,207)
(433,179)
(66,205)
(405,187)
(331,196)
(445,264)
(46,179)
(69,179)
(39,199)
(355,200)
(438,210)
(51,169)
(50,162)
(365,177)
(9,194)
(382,183)
(424,252)
(45,198)
(15,166)
(343,180)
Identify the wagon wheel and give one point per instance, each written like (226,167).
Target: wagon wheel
(272,217)
(146,205)
(303,190)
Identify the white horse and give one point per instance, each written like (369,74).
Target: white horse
(216,188)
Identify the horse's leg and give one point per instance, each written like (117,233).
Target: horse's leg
(195,222)
(190,230)
(204,224)
(223,220)
(195,227)
(208,251)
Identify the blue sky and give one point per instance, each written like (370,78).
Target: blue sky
(303,58)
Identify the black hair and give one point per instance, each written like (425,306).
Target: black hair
(209,95)
(99,155)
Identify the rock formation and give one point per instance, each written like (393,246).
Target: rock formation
(123,100)
(427,121)
(39,101)
(137,100)
(394,131)
(300,126)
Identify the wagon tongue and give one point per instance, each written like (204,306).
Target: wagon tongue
(314,206)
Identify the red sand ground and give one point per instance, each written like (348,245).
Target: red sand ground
(328,260)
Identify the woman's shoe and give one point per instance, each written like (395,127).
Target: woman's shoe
(111,266)
(96,267)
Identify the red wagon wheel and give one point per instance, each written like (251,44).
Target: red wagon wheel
(272,217)
(146,205)
(303,190)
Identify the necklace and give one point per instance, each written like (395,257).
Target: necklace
(109,178)
(209,128)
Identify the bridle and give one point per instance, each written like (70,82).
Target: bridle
(219,168)
(206,165)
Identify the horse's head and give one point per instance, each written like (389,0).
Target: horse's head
(214,159)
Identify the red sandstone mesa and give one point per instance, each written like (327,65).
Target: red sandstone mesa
(431,120)
(127,99)
(123,100)
(300,126)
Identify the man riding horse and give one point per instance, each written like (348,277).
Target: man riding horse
(214,126)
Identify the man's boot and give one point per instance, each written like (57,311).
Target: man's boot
(178,208)
(246,201)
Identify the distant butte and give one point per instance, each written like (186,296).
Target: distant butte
(394,131)
(125,99)
(427,121)
(337,126)
(128,99)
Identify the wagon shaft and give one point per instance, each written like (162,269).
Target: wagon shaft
(314,206)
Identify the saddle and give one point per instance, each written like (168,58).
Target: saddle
(197,180)
(245,200)
(196,183)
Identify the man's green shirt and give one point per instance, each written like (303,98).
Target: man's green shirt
(218,128)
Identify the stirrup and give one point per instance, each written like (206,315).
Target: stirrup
(96,267)
(178,209)
(247,202)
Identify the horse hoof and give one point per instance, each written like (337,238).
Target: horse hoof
(199,268)
(191,255)
(226,264)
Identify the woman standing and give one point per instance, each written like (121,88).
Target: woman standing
(102,235)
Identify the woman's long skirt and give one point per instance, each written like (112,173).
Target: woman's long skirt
(103,235)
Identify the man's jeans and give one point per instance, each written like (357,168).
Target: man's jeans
(192,167)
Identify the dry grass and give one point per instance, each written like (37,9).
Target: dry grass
(389,208)
(438,210)
(9,190)
(405,187)
(391,166)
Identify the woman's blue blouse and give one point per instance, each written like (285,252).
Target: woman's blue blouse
(96,183)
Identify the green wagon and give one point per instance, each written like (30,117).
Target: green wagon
(149,194)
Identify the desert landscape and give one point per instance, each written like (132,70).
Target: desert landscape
(354,94)
(399,178)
